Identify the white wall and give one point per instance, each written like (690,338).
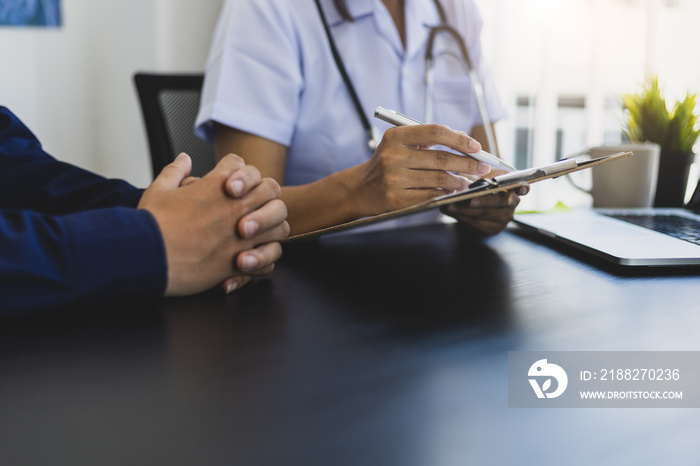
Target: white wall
(73,85)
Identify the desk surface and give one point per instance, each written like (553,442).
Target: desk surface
(385,348)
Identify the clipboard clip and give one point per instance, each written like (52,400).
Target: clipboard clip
(524,176)
(481,184)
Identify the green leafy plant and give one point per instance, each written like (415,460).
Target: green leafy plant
(647,119)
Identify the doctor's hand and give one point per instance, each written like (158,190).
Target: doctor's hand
(403,170)
(487,215)
(225,226)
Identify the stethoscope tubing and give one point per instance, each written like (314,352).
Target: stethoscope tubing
(429,78)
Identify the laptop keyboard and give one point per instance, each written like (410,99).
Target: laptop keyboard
(684,228)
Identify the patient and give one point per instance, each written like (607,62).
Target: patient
(69,237)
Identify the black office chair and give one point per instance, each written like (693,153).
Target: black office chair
(169,104)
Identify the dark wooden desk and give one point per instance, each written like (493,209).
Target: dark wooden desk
(382,349)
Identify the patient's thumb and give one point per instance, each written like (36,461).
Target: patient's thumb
(172,175)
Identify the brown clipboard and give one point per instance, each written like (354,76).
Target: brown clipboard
(481,187)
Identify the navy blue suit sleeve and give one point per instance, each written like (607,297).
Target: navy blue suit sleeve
(32,179)
(49,262)
(67,236)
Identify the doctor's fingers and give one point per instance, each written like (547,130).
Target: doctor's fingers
(488,220)
(501,200)
(434,179)
(394,199)
(433,135)
(269,216)
(480,216)
(434,159)
(464,213)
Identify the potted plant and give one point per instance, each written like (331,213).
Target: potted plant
(648,119)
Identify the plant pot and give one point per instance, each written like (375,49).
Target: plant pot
(673,178)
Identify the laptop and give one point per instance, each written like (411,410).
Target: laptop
(653,237)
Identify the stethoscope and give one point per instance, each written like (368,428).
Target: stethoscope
(429,77)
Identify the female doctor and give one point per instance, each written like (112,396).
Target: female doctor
(275,95)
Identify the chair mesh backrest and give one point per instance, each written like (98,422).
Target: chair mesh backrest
(169,105)
(179,108)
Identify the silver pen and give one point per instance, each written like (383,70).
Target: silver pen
(398,119)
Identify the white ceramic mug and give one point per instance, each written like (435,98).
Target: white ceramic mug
(628,182)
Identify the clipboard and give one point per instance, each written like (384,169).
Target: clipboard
(478,188)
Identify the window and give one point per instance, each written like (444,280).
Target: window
(562,66)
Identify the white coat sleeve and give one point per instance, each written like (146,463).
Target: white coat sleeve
(253,78)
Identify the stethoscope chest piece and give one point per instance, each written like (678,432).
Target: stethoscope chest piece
(373,141)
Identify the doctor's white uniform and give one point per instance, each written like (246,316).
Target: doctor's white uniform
(271,73)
